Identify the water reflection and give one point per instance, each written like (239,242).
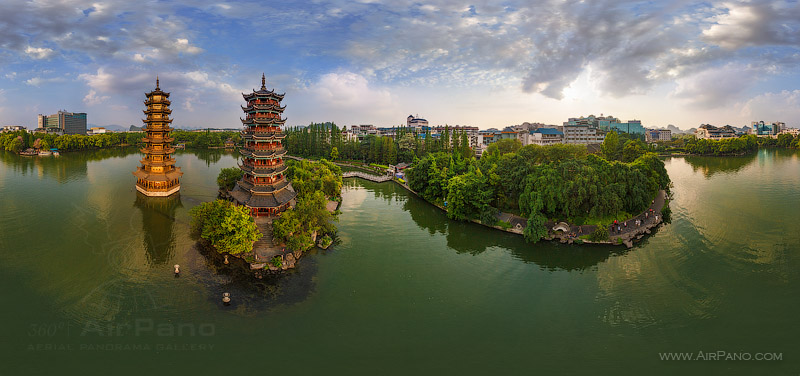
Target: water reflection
(209,156)
(158,219)
(709,166)
(471,238)
(71,166)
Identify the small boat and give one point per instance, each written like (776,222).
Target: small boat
(28,152)
(55,152)
(45,153)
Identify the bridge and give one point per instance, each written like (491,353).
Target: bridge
(358,174)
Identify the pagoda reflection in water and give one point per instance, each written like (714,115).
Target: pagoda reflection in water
(158,220)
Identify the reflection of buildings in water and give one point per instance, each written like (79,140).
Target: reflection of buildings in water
(158,220)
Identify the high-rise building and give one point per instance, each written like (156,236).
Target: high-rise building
(264,188)
(63,122)
(157,176)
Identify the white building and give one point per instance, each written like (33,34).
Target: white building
(656,135)
(708,131)
(582,134)
(541,137)
(416,121)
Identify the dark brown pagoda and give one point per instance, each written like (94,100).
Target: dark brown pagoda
(157,176)
(264,187)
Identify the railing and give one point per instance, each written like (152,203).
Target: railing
(375,178)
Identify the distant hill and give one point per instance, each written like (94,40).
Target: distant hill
(134,128)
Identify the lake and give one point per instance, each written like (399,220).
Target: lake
(86,269)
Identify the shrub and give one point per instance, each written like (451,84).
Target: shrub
(504,225)
(229,228)
(600,234)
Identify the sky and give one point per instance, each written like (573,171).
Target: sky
(478,63)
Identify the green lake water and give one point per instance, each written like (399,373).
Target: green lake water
(86,271)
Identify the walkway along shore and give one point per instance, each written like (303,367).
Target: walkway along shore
(562,231)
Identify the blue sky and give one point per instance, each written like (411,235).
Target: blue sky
(480,63)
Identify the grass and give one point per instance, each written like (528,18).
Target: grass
(621,217)
(504,225)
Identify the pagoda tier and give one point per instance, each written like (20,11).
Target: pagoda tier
(264,187)
(157,176)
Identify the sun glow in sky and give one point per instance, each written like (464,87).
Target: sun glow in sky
(481,63)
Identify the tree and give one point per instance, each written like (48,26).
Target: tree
(227,227)
(610,146)
(228,177)
(334,153)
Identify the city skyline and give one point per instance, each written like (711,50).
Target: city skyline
(374,62)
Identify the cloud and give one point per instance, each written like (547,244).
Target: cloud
(38,81)
(782,106)
(92,98)
(39,53)
(349,90)
(716,87)
(756,23)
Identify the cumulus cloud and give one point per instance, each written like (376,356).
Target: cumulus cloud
(755,23)
(39,52)
(92,98)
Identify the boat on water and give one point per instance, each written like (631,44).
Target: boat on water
(55,152)
(45,153)
(28,152)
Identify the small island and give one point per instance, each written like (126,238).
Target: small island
(270,212)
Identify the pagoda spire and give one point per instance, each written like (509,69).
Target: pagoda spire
(157,88)
(263,82)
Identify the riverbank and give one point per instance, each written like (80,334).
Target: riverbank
(568,233)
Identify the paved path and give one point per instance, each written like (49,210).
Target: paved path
(648,220)
(264,248)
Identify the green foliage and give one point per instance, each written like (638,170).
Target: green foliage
(535,229)
(205,139)
(276,261)
(228,177)
(311,176)
(504,225)
(227,227)
(312,182)
(334,153)
(600,234)
(468,196)
(726,146)
(16,141)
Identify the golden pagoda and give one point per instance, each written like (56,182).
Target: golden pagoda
(157,176)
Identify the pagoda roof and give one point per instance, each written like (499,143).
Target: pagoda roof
(165,110)
(263,200)
(262,153)
(263,171)
(263,136)
(171,175)
(263,106)
(168,162)
(248,186)
(147,150)
(263,92)
(263,121)
(158,140)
